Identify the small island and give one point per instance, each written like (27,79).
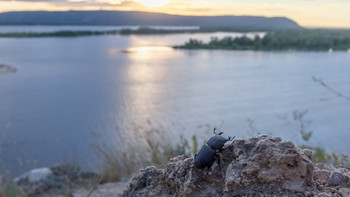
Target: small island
(7,69)
(303,40)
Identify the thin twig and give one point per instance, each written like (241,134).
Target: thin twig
(95,187)
(322,83)
(137,184)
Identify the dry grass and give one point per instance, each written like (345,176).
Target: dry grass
(146,145)
(11,189)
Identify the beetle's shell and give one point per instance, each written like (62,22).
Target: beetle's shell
(205,157)
(217,142)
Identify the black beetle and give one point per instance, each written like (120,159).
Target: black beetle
(208,153)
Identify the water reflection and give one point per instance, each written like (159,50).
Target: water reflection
(148,77)
(147,52)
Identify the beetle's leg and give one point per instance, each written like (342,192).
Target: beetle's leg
(208,170)
(195,155)
(209,165)
(218,161)
(230,139)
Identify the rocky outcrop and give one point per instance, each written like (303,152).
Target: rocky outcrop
(259,166)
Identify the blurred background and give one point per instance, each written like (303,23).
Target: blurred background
(117,84)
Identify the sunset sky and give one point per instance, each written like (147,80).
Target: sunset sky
(308,13)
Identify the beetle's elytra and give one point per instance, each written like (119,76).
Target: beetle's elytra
(204,157)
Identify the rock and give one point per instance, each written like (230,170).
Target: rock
(145,182)
(324,195)
(337,178)
(271,161)
(344,192)
(321,176)
(35,175)
(308,153)
(39,174)
(261,165)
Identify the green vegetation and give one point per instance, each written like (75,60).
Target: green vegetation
(293,39)
(319,155)
(241,29)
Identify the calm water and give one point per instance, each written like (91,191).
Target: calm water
(67,88)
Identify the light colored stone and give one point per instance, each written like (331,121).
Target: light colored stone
(35,175)
(324,195)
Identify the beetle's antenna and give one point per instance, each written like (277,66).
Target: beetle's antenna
(215,131)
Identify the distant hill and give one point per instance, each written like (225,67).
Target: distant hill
(138,18)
